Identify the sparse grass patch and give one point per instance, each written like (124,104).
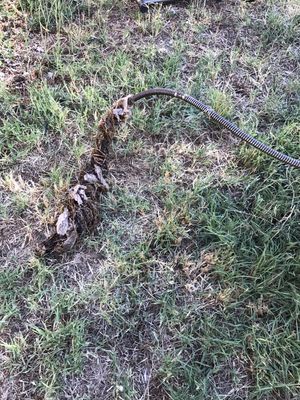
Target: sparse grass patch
(18,134)
(189,286)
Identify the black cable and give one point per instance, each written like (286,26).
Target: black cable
(221,120)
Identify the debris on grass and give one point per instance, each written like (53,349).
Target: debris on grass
(81,207)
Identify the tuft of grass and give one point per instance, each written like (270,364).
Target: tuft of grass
(47,112)
(280,28)
(151,23)
(50,15)
(220,102)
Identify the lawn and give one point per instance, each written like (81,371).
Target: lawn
(189,286)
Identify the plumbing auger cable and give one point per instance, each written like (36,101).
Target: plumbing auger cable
(78,212)
(213,115)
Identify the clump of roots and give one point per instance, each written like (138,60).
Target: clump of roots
(79,213)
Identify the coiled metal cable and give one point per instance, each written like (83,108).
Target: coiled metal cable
(221,120)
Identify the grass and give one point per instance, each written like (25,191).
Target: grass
(189,287)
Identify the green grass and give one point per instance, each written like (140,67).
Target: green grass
(50,16)
(189,287)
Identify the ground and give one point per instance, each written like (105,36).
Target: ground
(189,286)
